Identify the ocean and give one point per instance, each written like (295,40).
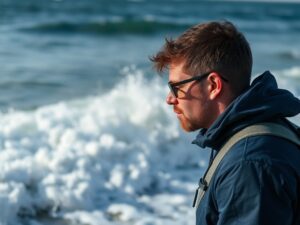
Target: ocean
(85,134)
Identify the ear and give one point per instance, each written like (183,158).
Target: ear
(215,85)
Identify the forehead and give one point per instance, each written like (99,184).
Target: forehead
(177,63)
(177,71)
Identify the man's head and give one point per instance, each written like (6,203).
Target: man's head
(220,52)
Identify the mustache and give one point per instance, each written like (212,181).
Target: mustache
(177,110)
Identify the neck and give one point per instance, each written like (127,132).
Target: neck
(220,107)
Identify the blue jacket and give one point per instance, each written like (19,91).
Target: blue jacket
(258,181)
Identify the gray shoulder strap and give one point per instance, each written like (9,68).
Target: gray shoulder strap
(257,129)
(254,130)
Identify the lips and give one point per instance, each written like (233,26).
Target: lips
(177,111)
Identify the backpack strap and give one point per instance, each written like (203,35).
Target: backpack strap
(254,130)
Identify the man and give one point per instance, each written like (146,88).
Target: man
(258,181)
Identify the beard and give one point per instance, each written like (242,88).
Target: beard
(187,124)
(191,121)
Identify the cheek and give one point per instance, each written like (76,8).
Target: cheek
(199,109)
(192,110)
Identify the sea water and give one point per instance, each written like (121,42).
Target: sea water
(85,134)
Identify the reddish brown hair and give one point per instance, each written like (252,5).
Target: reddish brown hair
(213,46)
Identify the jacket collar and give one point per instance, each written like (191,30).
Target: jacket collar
(261,102)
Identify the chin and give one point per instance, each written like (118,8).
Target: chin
(188,127)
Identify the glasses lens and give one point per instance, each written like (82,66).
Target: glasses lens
(172,89)
(180,93)
(176,91)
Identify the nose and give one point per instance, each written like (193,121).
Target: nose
(171,99)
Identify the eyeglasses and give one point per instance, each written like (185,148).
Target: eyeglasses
(174,86)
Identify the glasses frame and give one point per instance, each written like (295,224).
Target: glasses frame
(173,85)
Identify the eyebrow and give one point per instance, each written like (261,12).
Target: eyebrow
(173,81)
(198,77)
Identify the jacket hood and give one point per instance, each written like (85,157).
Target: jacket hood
(262,101)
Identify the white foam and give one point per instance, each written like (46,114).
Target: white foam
(86,155)
(293,72)
(289,79)
(83,217)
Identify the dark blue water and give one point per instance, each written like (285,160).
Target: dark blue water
(53,51)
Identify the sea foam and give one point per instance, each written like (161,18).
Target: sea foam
(91,155)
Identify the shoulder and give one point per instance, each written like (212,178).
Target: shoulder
(257,170)
(257,162)
(262,150)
